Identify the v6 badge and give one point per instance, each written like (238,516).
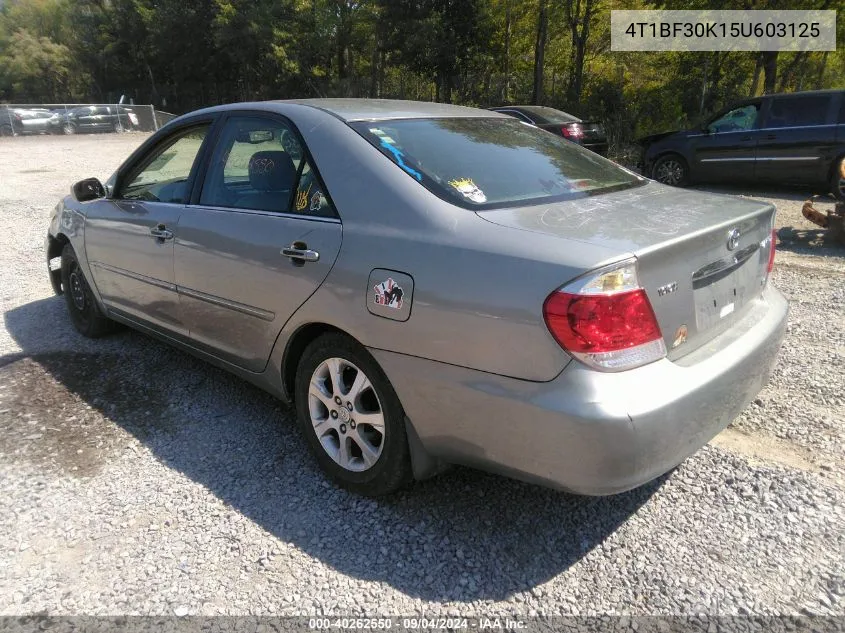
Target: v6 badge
(390,294)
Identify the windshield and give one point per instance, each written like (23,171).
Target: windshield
(489,163)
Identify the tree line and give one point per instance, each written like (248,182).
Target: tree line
(184,54)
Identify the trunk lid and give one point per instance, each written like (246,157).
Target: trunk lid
(697,285)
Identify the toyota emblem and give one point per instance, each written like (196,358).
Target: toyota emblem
(733,239)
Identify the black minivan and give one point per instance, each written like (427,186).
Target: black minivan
(796,138)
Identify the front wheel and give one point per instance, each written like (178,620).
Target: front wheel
(351,417)
(671,170)
(69,128)
(84,312)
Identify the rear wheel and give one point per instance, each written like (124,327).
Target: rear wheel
(351,417)
(6,130)
(671,170)
(118,128)
(69,128)
(84,312)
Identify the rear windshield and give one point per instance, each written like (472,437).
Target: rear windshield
(490,163)
(549,115)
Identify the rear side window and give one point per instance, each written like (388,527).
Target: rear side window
(544,114)
(480,163)
(260,164)
(516,115)
(798,111)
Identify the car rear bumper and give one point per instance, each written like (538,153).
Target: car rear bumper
(585,431)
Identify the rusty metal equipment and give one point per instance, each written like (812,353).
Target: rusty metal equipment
(833,219)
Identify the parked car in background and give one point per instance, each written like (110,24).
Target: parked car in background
(526,306)
(590,134)
(796,138)
(99,118)
(39,121)
(16,121)
(10,121)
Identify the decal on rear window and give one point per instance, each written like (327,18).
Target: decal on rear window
(302,198)
(400,160)
(317,201)
(469,189)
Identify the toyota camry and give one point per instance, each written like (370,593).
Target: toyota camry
(432,284)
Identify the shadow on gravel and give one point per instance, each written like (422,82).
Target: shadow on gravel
(809,242)
(462,536)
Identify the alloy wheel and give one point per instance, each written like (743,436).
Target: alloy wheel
(669,172)
(346,414)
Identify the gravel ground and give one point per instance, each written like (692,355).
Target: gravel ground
(139,480)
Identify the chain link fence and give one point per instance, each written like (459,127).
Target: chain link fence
(18,119)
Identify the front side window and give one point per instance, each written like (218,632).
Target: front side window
(260,164)
(737,120)
(163,175)
(481,163)
(798,111)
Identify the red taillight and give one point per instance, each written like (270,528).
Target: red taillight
(772,241)
(572,130)
(605,320)
(593,324)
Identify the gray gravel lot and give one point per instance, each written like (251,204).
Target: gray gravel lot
(138,480)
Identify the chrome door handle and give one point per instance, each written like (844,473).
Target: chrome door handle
(301,254)
(161,233)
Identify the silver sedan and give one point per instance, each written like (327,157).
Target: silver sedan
(432,284)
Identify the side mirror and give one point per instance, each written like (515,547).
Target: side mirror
(705,128)
(88,189)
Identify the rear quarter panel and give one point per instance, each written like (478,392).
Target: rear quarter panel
(478,288)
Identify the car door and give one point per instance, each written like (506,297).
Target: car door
(257,241)
(798,138)
(726,148)
(87,118)
(129,236)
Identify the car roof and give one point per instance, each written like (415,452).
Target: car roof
(827,91)
(370,109)
(543,112)
(361,109)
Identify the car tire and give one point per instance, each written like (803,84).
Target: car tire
(671,170)
(117,128)
(337,381)
(69,129)
(837,179)
(85,313)
(7,130)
